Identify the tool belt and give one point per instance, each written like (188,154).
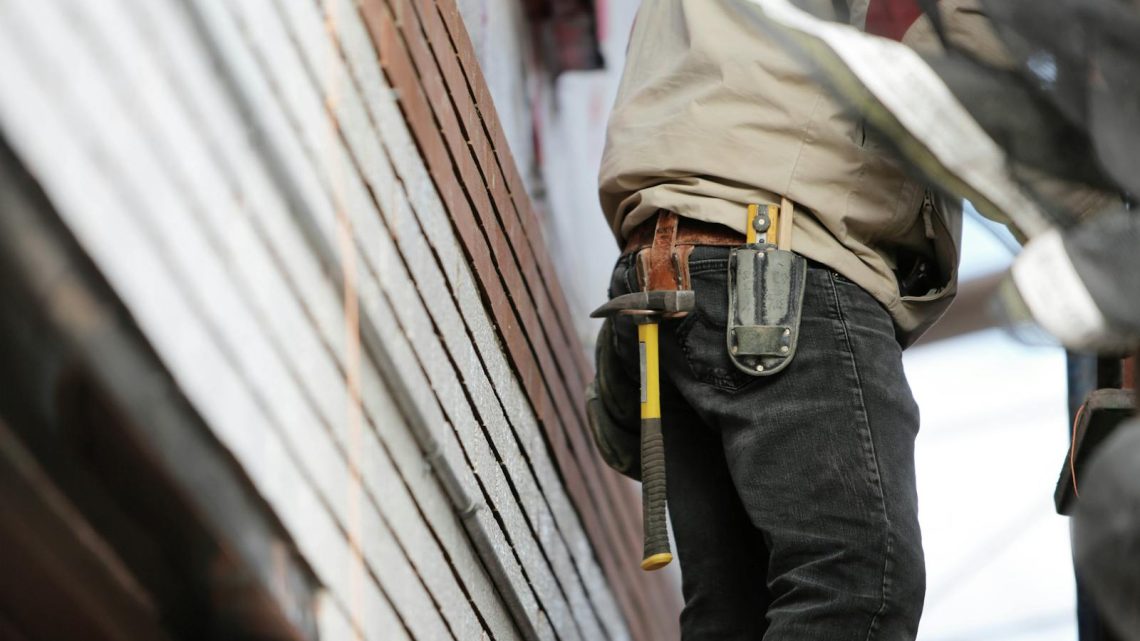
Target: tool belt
(766,280)
(663,244)
(765,283)
(689,232)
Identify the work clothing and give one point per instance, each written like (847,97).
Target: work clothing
(711,116)
(792,496)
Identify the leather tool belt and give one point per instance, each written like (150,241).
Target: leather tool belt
(663,244)
(690,232)
(765,283)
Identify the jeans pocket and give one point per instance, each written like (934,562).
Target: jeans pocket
(701,335)
(840,278)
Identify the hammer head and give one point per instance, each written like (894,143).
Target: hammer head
(654,303)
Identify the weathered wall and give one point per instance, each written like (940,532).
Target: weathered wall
(572,125)
(555,127)
(359,309)
(503,43)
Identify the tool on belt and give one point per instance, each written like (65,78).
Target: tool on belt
(766,284)
(662,297)
(765,292)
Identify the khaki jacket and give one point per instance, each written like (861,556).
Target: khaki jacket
(711,116)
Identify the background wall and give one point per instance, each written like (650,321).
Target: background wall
(312,213)
(555,125)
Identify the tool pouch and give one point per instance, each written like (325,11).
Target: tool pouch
(765,300)
(613,408)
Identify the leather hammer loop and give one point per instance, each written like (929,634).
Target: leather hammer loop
(663,245)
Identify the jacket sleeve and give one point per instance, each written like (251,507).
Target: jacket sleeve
(968,29)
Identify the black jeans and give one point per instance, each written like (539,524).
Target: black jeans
(792,497)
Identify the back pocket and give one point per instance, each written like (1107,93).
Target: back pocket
(701,335)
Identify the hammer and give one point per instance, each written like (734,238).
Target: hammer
(649,308)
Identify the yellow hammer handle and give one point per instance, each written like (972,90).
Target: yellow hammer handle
(657,553)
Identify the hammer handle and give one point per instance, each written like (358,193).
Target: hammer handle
(653,502)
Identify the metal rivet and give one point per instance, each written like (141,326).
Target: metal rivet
(787,332)
(734,349)
(783,349)
(759,368)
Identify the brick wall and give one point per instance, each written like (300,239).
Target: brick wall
(310,211)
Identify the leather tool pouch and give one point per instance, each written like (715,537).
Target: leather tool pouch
(765,300)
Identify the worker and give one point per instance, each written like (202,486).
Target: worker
(791,485)
(783,259)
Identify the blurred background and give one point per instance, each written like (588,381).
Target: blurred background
(993,436)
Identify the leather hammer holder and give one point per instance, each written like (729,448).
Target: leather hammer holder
(663,246)
(663,265)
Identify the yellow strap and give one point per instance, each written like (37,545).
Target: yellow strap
(751,236)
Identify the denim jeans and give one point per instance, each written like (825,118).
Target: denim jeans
(792,497)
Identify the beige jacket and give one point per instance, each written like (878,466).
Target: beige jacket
(711,116)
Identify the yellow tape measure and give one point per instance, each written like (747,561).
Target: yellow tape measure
(769,221)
